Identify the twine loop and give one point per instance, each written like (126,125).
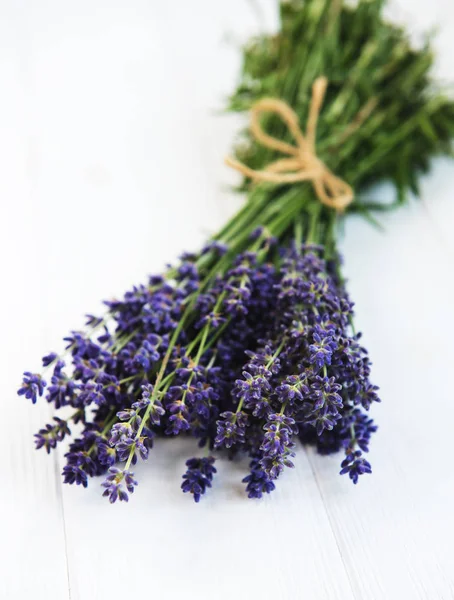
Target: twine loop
(303,163)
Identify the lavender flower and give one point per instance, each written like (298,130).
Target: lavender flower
(258,482)
(322,347)
(52,434)
(266,357)
(355,465)
(198,476)
(231,429)
(32,386)
(277,446)
(113,485)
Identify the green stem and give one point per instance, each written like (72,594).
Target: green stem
(240,405)
(312,237)
(284,406)
(298,232)
(276,354)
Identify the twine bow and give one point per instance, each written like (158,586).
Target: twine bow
(303,164)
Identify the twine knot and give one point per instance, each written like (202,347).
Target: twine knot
(303,164)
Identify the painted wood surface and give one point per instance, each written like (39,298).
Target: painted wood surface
(111,148)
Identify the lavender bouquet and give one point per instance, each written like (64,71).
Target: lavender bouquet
(249,345)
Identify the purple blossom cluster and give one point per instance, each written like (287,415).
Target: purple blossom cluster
(198,476)
(245,353)
(309,378)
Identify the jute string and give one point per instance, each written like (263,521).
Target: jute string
(303,164)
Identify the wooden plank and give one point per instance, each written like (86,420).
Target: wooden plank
(158,196)
(119,181)
(395,528)
(32,548)
(33,561)
(278,548)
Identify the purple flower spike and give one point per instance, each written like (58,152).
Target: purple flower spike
(32,386)
(198,476)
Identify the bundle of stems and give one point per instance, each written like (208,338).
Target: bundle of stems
(249,344)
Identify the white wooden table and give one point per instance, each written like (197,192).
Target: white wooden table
(111,148)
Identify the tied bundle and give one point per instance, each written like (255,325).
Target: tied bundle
(249,345)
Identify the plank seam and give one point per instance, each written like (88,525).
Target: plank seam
(331,524)
(58,484)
